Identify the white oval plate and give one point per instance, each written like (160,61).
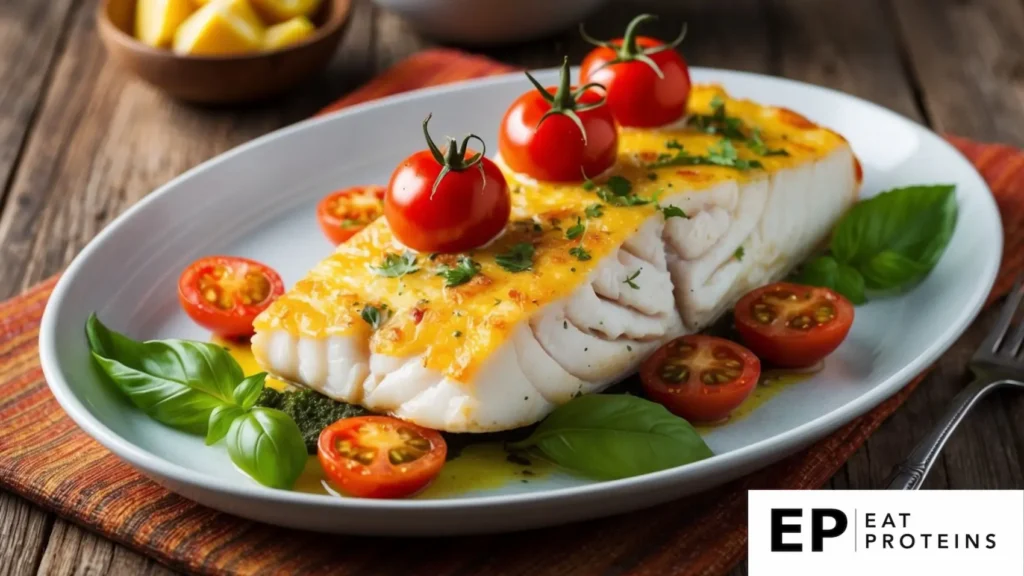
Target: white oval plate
(257,201)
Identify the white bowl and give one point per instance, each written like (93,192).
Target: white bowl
(491,22)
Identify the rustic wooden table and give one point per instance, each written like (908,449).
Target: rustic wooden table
(80,141)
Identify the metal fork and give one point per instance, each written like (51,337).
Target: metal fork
(998,363)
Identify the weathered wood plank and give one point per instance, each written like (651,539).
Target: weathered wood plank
(73,551)
(24,530)
(30,34)
(101,142)
(968,61)
(105,140)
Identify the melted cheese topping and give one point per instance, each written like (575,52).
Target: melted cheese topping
(456,329)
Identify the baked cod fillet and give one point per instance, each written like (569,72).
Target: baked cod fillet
(504,349)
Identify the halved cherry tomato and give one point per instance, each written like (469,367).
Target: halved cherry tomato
(343,213)
(647,81)
(559,134)
(447,202)
(701,378)
(792,325)
(380,456)
(224,294)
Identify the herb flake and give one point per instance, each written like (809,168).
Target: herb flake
(576,230)
(463,271)
(519,258)
(630,280)
(580,253)
(395,265)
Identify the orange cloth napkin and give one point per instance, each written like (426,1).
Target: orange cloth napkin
(47,459)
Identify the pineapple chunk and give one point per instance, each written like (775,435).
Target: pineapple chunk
(287,33)
(156,20)
(282,10)
(220,27)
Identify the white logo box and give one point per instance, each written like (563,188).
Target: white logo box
(961,533)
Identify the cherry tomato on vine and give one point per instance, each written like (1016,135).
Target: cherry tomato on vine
(647,81)
(380,456)
(343,213)
(701,378)
(559,134)
(793,325)
(447,202)
(224,294)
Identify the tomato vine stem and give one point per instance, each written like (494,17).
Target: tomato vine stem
(453,159)
(565,100)
(629,51)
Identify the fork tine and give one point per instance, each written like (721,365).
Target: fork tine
(998,332)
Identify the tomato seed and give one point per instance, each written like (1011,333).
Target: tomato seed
(802,322)
(674,372)
(712,377)
(764,313)
(347,450)
(824,314)
(403,455)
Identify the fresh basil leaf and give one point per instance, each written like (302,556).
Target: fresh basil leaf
(850,283)
(615,436)
(177,382)
(897,237)
(193,386)
(167,401)
(248,390)
(220,422)
(821,271)
(889,271)
(826,272)
(267,445)
(200,365)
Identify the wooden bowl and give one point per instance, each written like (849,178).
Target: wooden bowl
(221,79)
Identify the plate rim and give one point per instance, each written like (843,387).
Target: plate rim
(810,431)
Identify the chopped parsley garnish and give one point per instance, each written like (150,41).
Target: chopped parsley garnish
(374,316)
(618,191)
(724,154)
(580,253)
(351,223)
(589,185)
(395,265)
(462,272)
(594,211)
(576,230)
(739,253)
(619,186)
(519,258)
(672,212)
(630,279)
(652,176)
(457,334)
(756,144)
(718,122)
